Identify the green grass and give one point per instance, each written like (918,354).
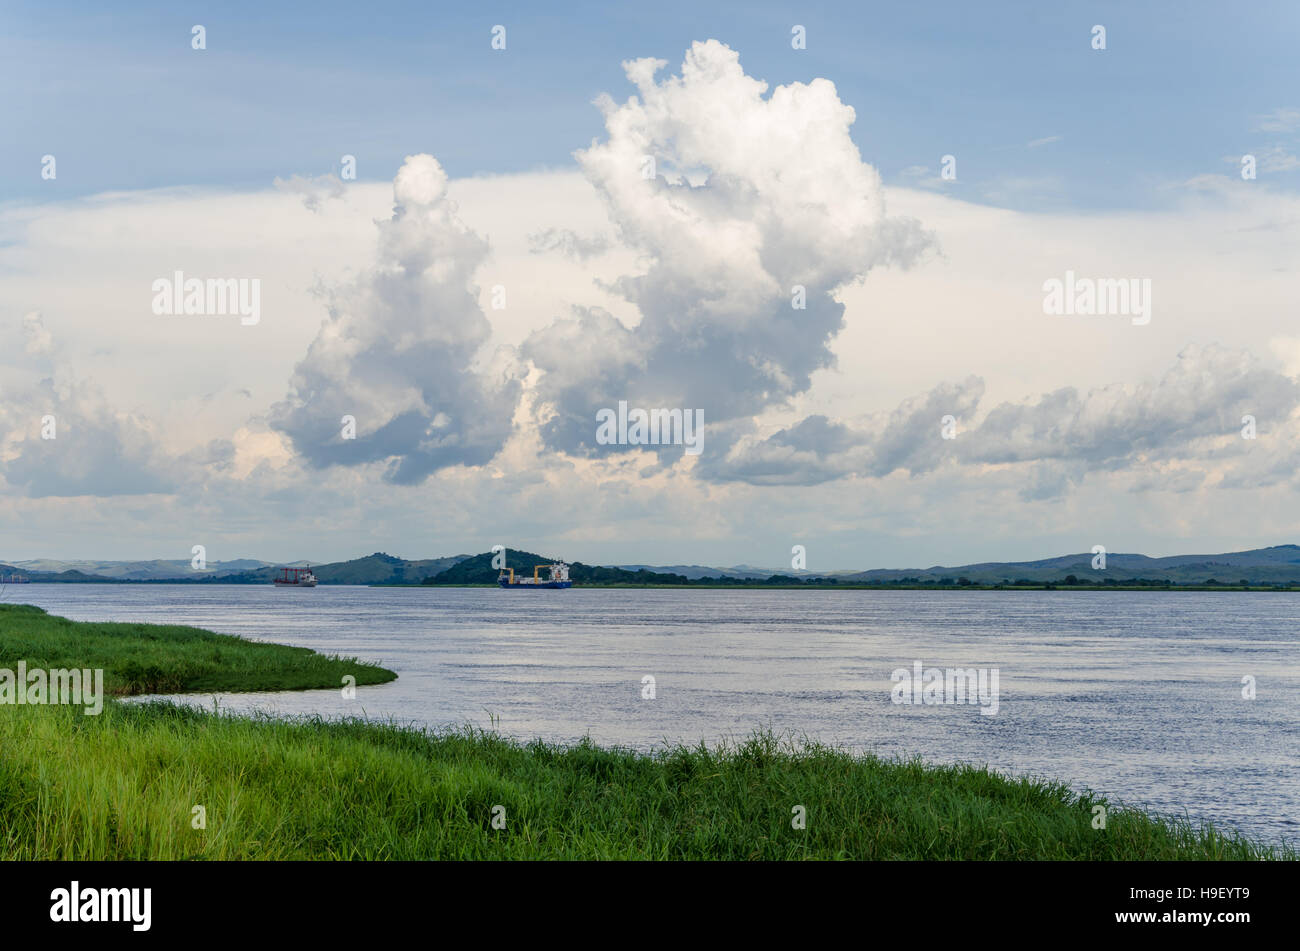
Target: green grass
(124,785)
(158,658)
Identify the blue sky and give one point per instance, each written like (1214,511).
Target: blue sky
(118,96)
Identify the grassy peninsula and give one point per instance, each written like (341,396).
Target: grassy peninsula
(166,658)
(126,784)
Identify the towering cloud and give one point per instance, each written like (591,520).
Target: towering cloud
(750,196)
(397,351)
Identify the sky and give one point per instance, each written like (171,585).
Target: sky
(839,259)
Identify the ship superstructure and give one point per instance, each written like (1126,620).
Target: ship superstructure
(557,577)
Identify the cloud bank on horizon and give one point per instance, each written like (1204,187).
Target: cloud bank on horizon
(723,248)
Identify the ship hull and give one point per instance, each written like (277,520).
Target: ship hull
(545,584)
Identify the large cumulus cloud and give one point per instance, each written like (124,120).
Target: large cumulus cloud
(753,195)
(398,349)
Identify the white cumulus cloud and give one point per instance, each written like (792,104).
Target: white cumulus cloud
(752,195)
(398,348)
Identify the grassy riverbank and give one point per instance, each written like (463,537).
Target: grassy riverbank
(164,658)
(125,784)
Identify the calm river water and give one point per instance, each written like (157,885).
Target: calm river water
(1136,695)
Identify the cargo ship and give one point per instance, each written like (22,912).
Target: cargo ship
(558,577)
(295,578)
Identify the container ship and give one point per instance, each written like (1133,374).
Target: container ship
(295,578)
(558,577)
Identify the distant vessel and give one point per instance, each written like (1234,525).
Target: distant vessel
(14,579)
(296,578)
(559,578)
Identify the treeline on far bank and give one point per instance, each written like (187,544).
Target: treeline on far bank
(479,569)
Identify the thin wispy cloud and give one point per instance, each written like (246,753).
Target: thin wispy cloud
(1285,119)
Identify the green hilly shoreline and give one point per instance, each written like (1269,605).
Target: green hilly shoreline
(1274,568)
(1071,572)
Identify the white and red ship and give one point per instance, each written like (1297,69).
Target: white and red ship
(295,578)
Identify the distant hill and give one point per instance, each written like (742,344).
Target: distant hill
(479,570)
(153,570)
(8,571)
(379,568)
(1279,564)
(1275,565)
